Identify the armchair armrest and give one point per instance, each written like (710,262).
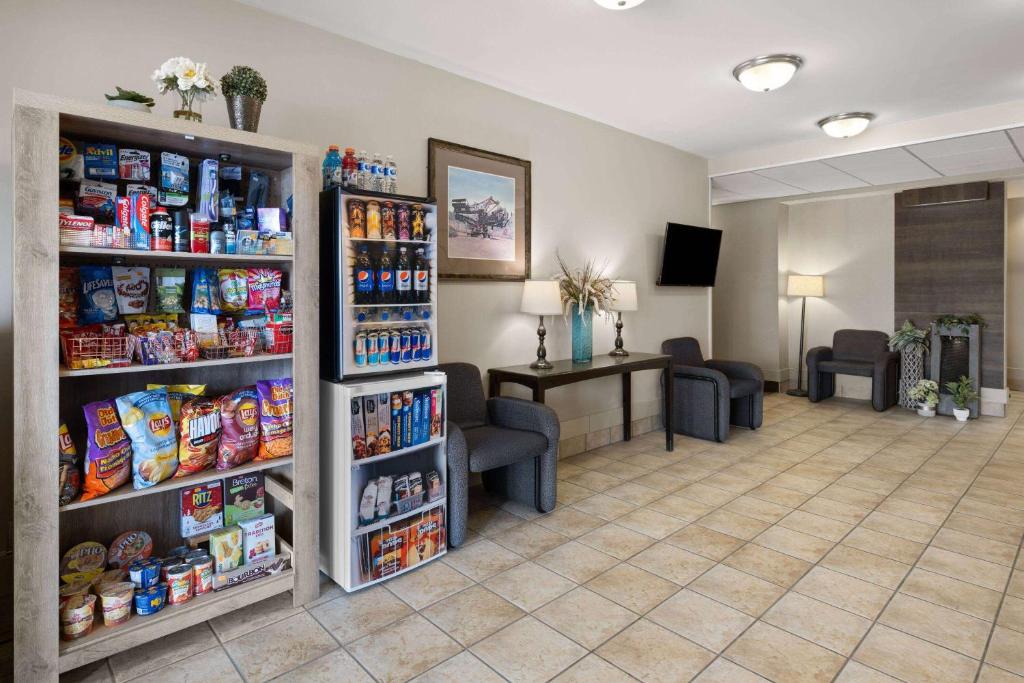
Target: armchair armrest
(519,413)
(702,373)
(886,357)
(458,452)
(817,354)
(737,368)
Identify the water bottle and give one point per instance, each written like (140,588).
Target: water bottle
(332,168)
(362,171)
(377,171)
(392,176)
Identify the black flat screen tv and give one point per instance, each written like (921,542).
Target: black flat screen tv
(690,256)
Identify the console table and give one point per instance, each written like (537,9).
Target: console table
(566,372)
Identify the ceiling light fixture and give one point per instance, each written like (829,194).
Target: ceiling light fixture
(768,72)
(846,125)
(618,4)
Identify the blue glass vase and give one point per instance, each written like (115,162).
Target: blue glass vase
(582,334)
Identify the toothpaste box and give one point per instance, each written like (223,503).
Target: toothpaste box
(173,172)
(258,539)
(100,161)
(133,164)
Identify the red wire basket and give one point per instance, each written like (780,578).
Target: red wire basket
(83,352)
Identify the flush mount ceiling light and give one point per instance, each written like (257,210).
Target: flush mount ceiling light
(768,72)
(846,125)
(618,4)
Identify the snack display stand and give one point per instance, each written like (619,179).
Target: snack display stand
(47,390)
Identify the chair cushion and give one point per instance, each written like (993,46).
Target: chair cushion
(743,387)
(491,446)
(847,367)
(858,345)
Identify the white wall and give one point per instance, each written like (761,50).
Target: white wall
(597,192)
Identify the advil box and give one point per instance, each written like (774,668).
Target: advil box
(202,509)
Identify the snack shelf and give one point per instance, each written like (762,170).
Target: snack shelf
(387,240)
(126,491)
(394,519)
(104,641)
(198,364)
(175,256)
(399,453)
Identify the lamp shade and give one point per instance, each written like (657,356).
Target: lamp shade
(806,285)
(623,295)
(541,297)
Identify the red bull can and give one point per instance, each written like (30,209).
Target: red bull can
(414,335)
(360,349)
(396,347)
(372,348)
(425,342)
(406,346)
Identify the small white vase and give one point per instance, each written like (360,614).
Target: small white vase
(129,104)
(961,414)
(924,411)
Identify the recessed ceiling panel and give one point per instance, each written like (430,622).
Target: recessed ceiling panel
(884,166)
(720,196)
(813,176)
(754,186)
(969,154)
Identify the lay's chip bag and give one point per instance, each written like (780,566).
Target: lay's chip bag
(146,417)
(178,394)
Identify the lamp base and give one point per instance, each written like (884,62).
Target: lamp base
(801,393)
(541,364)
(618,353)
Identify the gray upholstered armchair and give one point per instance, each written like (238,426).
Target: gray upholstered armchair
(855,352)
(710,395)
(512,442)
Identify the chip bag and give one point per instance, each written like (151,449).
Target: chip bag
(234,289)
(178,394)
(276,407)
(68,288)
(108,457)
(205,292)
(170,290)
(70,473)
(146,416)
(200,435)
(97,302)
(240,425)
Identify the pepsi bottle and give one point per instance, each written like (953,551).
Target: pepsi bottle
(403,278)
(385,279)
(420,278)
(362,291)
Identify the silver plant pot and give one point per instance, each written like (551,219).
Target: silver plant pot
(244,112)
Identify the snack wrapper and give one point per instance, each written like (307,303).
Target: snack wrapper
(276,408)
(109,453)
(146,417)
(240,425)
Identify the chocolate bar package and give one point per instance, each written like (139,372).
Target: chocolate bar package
(251,572)
(100,161)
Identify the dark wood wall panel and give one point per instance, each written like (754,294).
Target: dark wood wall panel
(950,258)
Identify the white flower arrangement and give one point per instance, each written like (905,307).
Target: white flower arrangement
(191,80)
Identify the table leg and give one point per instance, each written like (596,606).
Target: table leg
(538,393)
(669,392)
(493,386)
(627,407)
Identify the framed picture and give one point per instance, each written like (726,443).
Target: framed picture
(483,212)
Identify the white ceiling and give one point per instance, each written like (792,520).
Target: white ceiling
(999,151)
(663,69)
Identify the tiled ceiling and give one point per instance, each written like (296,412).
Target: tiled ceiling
(969,154)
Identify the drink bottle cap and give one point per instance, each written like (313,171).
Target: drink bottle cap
(332,148)
(350,150)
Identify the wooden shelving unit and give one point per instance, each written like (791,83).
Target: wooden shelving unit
(48,393)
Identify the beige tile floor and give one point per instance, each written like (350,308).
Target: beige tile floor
(833,544)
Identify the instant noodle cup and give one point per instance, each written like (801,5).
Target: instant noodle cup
(83,562)
(70,590)
(146,417)
(276,407)
(76,617)
(116,601)
(109,576)
(150,600)
(179,584)
(129,546)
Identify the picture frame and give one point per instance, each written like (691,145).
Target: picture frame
(483,212)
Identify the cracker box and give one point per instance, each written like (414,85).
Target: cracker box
(244,497)
(258,539)
(370,420)
(202,509)
(358,430)
(383,424)
(226,548)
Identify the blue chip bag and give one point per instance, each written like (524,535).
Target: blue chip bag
(97,302)
(146,418)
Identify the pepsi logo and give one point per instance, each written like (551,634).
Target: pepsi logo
(403,276)
(363,275)
(421,276)
(385,275)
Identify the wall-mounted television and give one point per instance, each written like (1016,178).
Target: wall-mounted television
(690,256)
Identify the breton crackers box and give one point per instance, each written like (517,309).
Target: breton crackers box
(243,497)
(258,539)
(202,509)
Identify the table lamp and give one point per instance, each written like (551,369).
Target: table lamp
(541,298)
(803,286)
(623,299)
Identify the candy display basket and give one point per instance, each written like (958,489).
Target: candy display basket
(234,344)
(109,350)
(172,347)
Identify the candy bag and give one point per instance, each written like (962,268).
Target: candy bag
(170,290)
(98,302)
(234,289)
(276,408)
(131,286)
(146,416)
(200,434)
(240,425)
(264,289)
(205,292)
(108,457)
(70,473)
(178,394)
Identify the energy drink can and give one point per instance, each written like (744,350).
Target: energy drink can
(425,342)
(372,348)
(396,347)
(414,336)
(406,346)
(360,349)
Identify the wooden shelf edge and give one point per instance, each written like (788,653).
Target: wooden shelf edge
(280,491)
(104,642)
(436,441)
(198,364)
(173,255)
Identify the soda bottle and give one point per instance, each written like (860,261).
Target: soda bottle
(385,280)
(362,171)
(362,292)
(349,168)
(421,278)
(392,176)
(332,168)
(377,173)
(403,278)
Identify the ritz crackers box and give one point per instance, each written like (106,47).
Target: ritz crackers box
(202,509)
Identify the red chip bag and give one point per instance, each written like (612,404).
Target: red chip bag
(200,434)
(240,428)
(264,289)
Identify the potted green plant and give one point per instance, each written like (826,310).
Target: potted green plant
(912,344)
(245,91)
(585,292)
(963,394)
(925,395)
(129,99)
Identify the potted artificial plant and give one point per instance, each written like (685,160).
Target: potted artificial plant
(129,99)
(245,91)
(925,395)
(585,291)
(963,394)
(190,80)
(912,344)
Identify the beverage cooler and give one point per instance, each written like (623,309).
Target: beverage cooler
(383,477)
(378,283)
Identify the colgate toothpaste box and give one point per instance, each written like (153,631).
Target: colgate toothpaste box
(133,219)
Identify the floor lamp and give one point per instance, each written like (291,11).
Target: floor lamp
(803,286)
